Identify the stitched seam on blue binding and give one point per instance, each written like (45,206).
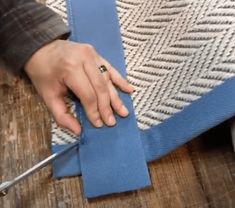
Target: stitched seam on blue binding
(71,19)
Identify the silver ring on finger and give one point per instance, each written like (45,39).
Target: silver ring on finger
(102,68)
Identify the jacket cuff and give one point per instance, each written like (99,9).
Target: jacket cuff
(24,30)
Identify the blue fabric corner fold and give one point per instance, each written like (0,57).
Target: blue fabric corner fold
(112,159)
(67,164)
(203,114)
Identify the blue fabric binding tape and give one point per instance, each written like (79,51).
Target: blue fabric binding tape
(112,159)
(204,113)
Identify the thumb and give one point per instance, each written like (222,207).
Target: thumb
(60,112)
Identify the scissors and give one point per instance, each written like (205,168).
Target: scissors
(5,186)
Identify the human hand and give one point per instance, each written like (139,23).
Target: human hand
(63,65)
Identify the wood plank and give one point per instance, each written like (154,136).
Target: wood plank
(214,162)
(6,78)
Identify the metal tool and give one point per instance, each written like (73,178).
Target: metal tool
(5,186)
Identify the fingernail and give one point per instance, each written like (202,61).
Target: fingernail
(99,123)
(124,111)
(112,120)
(77,132)
(132,88)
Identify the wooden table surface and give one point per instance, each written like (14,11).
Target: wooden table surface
(199,174)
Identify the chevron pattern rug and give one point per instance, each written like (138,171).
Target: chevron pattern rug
(176,51)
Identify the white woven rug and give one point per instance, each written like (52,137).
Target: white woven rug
(175,50)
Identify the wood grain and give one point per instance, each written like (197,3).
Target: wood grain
(199,174)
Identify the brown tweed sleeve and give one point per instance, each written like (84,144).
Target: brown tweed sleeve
(26,26)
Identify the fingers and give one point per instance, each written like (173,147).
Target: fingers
(116,102)
(97,93)
(116,78)
(81,86)
(120,82)
(101,88)
(61,115)
(110,76)
(61,65)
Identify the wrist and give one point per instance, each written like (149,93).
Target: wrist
(43,54)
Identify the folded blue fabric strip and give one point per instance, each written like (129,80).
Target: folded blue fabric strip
(204,113)
(112,159)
